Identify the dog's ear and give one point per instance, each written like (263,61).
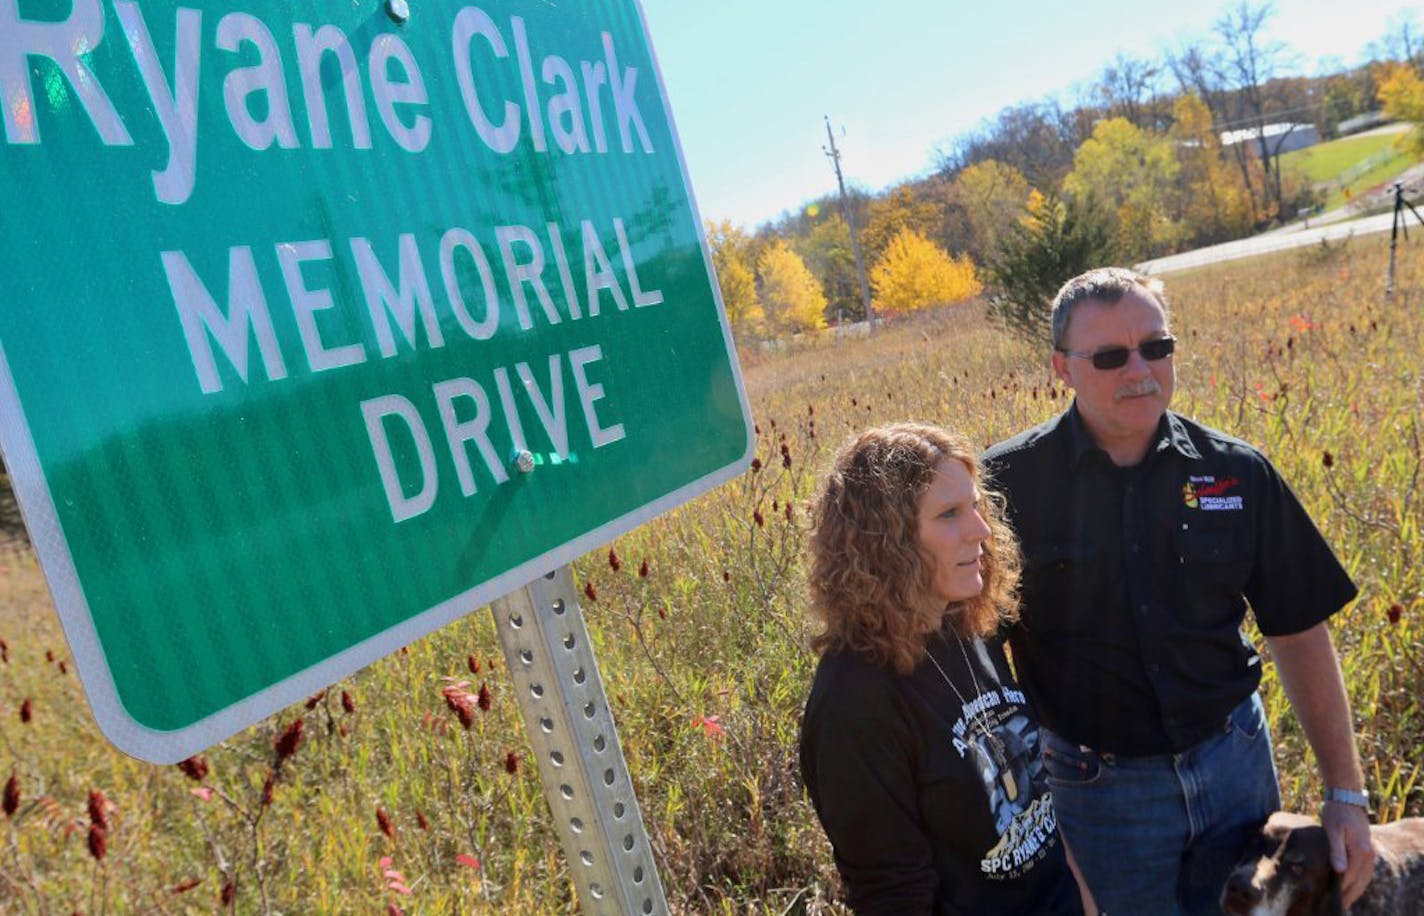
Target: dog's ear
(1330,904)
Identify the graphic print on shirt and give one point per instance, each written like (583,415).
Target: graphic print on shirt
(1008,765)
(1207,493)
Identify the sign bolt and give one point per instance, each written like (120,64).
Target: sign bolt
(398,10)
(524,460)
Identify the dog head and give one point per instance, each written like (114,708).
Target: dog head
(1285,872)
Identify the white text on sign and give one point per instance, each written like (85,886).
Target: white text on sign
(566,102)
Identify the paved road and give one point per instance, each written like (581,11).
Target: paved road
(1331,226)
(1271,241)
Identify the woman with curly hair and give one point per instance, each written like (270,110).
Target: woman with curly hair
(919,753)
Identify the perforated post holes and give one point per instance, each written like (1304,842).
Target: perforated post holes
(575,744)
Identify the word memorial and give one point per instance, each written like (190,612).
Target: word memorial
(326,324)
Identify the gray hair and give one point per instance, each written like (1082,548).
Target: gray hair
(1105,285)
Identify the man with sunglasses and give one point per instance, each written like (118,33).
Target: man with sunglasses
(1145,535)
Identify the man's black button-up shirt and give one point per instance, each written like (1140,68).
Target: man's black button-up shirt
(1136,579)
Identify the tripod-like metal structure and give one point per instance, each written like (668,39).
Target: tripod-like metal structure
(1399,226)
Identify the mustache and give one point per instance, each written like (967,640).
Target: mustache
(1146,386)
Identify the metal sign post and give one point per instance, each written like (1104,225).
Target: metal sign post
(581,766)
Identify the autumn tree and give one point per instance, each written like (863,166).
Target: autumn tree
(731,257)
(1214,203)
(903,208)
(789,291)
(1134,173)
(1199,71)
(993,196)
(1344,95)
(1036,138)
(1052,242)
(800,221)
(827,253)
(1252,62)
(1401,92)
(948,226)
(914,273)
(1128,88)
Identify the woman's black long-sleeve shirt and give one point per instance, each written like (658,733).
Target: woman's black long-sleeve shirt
(926,814)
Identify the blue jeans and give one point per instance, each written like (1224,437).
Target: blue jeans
(1158,835)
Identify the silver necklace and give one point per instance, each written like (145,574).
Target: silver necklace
(992,742)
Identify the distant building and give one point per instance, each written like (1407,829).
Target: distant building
(1288,136)
(1360,122)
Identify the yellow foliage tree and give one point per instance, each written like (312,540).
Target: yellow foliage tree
(731,257)
(1035,209)
(914,273)
(905,207)
(993,196)
(1135,172)
(1215,204)
(789,291)
(1401,93)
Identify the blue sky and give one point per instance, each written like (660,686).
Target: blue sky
(750,80)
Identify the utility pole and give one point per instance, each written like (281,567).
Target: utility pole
(834,155)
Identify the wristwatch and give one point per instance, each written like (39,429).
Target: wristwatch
(1347,797)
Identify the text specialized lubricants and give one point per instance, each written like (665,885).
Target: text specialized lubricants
(407,288)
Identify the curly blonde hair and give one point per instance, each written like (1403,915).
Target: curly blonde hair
(871,583)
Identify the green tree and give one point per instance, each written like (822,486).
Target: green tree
(1133,172)
(1054,241)
(731,257)
(992,195)
(789,291)
(1345,96)
(827,253)
(914,273)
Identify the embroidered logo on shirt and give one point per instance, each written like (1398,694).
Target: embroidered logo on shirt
(1211,495)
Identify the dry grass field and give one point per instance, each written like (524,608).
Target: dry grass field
(390,804)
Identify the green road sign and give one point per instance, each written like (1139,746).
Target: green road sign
(324,324)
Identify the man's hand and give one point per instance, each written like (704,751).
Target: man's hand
(1310,674)
(1351,853)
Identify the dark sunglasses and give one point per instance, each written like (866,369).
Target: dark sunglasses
(1116,357)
